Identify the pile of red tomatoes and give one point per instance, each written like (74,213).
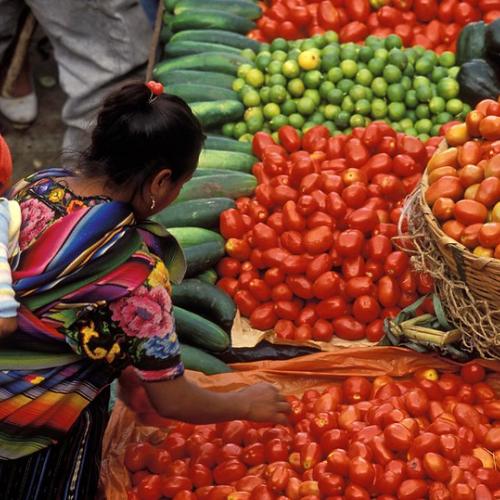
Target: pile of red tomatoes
(430,23)
(310,254)
(428,437)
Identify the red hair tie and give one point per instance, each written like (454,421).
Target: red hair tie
(156,89)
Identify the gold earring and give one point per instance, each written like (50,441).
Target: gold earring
(153,204)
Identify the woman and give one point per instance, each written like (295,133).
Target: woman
(93,280)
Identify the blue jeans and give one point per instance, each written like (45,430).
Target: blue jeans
(150,8)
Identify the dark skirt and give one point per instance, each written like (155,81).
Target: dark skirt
(68,470)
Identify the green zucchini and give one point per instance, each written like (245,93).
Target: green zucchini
(211,19)
(214,113)
(200,361)
(194,330)
(201,257)
(226,144)
(207,300)
(187,76)
(191,236)
(471,43)
(242,8)
(208,276)
(179,49)
(193,92)
(225,186)
(203,212)
(226,160)
(217,36)
(221,62)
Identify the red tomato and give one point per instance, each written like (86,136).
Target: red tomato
(348,328)
(365,309)
(356,389)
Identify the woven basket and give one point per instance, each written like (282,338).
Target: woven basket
(480,274)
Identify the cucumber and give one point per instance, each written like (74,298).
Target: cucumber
(217,36)
(187,76)
(225,186)
(211,19)
(207,300)
(195,213)
(194,330)
(192,236)
(226,144)
(221,62)
(179,49)
(201,257)
(165,34)
(193,92)
(208,276)
(242,8)
(204,172)
(214,113)
(226,160)
(170,5)
(200,361)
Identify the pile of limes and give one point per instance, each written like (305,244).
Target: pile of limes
(319,81)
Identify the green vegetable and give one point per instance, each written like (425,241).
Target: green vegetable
(210,19)
(217,36)
(242,8)
(478,80)
(200,361)
(208,276)
(226,144)
(226,160)
(471,42)
(192,236)
(179,49)
(213,113)
(492,42)
(194,92)
(184,76)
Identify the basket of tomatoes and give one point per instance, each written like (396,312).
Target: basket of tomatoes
(460,202)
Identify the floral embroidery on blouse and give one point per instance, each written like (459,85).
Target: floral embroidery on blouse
(36,216)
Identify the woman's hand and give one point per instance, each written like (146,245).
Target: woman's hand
(7,326)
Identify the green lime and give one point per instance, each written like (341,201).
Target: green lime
(274,67)
(288,107)
(423,137)
(306,106)
(309,59)
(238,84)
(347,104)
(362,107)
(294,54)
(349,51)
(437,105)
(411,100)
(312,79)
(252,113)
(255,78)
(228,130)
(421,80)
(382,54)
(396,127)
(438,73)
(411,131)
(278,94)
(307,44)
(396,110)
(328,61)
(406,82)
(379,108)
(279,55)
(364,77)
(251,99)
(314,95)
(419,50)
(423,126)
(396,92)
(278,121)
(290,69)
(379,87)
(342,120)
(435,130)
(357,92)
(409,70)
(249,54)
(325,88)
(393,41)
(277,80)
(335,75)
(424,66)
(376,66)
(335,96)
(443,118)
(308,126)
(331,111)
(271,110)
(240,129)
(279,44)
(467,108)
(254,124)
(424,93)
(319,41)
(246,138)
(349,68)
(265,94)
(330,126)
(422,111)
(453,71)
(365,54)
(454,106)
(373,42)
(411,55)
(448,88)
(345,85)
(357,120)
(398,58)
(263,60)
(296,87)
(317,118)
(296,120)
(432,56)
(331,36)
(369,93)
(411,115)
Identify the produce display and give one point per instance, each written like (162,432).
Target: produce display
(341,86)
(310,254)
(433,436)
(464,181)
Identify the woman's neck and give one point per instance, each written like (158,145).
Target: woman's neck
(98,186)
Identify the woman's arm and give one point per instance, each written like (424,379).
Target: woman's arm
(182,400)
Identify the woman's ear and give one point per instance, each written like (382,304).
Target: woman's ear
(161,183)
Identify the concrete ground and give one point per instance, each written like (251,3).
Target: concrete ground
(39,145)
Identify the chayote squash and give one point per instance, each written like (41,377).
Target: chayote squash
(478,80)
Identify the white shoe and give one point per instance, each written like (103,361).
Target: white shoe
(21,111)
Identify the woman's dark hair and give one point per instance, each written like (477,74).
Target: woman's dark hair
(137,135)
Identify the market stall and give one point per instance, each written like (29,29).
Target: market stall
(344,218)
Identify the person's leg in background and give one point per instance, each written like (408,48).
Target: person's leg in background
(150,8)
(97,44)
